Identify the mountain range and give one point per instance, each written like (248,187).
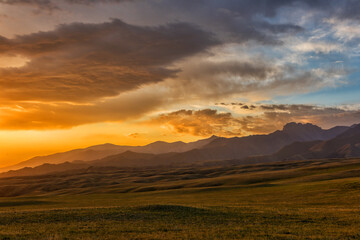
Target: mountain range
(104,150)
(295,141)
(345,145)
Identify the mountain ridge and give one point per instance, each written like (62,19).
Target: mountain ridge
(107,149)
(345,145)
(212,149)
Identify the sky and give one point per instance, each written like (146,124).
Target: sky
(75,73)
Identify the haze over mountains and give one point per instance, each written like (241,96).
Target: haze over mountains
(104,150)
(345,145)
(294,142)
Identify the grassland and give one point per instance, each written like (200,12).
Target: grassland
(293,200)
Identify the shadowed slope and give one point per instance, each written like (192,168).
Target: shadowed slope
(345,145)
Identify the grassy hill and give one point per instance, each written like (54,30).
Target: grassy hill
(289,200)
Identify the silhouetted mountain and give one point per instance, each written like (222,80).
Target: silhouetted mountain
(345,145)
(104,150)
(45,169)
(308,132)
(127,159)
(237,148)
(86,154)
(165,147)
(295,141)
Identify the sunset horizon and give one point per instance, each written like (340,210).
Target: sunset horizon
(74,80)
(179,119)
(59,146)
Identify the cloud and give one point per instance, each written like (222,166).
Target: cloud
(96,1)
(199,123)
(206,83)
(273,116)
(232,21)
(345,29)
(134,135)
(83,73)
(43,115)
(52,5)
(236,21)
(82,62)
(252,79)
(318,47)
(41,4)
(269,118)
(349,10)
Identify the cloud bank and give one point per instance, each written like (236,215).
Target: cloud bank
(269,118)
(82,62)
(185,53)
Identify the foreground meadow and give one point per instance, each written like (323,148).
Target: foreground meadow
(301,200)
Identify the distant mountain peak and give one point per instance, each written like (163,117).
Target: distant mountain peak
(103,145)
(293,126)
(161,143)
(213,137)
(158,142)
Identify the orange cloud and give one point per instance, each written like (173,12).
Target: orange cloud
(208,122)
(200,123)
(82,73)
(38,115)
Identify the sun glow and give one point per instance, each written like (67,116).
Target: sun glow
(15,61)
(21,145)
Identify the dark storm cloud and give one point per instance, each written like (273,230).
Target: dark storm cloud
(235,21)
(78,61)
(51,5)
(96,1)
(348,9)
(41,4)
(247,20)
(269,8)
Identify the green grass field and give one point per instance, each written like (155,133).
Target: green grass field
(295,200)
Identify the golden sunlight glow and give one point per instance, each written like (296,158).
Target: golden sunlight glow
(13,61)
(21,145)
